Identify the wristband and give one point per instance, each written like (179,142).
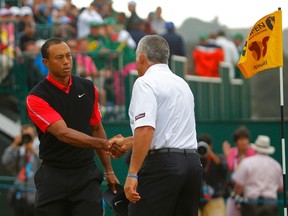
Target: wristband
(132,176)
(108,173)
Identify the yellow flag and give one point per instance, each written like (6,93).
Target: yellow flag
(263,48)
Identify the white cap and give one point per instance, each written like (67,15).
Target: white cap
(5,12)
(132,2)
(15,10)
(25,10)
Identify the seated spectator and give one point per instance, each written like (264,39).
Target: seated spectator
(7,46)
(85,65)
(207,58)
(29,34)
(31,56)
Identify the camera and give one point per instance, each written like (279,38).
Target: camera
(203,149)
(26,138)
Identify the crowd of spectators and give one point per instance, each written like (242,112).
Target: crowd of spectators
(103,41)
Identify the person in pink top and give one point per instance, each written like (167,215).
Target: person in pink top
(235,155)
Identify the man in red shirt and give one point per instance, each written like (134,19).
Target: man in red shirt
(64,109)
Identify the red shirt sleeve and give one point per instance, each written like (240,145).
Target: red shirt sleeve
(40,112)
(96,115)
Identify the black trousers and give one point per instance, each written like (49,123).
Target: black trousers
(258,209)
(169,185)
(62,192)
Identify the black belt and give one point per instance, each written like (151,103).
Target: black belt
(172,150)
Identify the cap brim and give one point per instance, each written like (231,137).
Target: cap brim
(118,202)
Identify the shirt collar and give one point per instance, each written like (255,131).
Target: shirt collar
(59,85)
(157,67)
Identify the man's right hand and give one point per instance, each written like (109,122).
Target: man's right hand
(119,146)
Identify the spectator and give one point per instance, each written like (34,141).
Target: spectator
(27,17)
(148,29)
(258,180)
(29,34)
(7,45)
(108,10)
(138,31)
(133,16)
(207,57)
(239,42)
(175,41)
(158,24)
(120,43)
(22,160)
(35,70)
(215,170)
(121,20)
(85,65)
(43,12)
(88,15)
(234,157)
(231,55)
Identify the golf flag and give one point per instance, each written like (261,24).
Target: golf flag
(263,48)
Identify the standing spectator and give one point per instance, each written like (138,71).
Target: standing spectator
(64,109)
(258,180)
(21,158)
(234,157)
(88,15)
(139,31)
(158,24)
(133,16)
(108,10)
(175,41)
(165,172)
(207,57)
(239,42)
(231,55)
(148,29)
(214,177)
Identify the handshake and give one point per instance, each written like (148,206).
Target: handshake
(119,145)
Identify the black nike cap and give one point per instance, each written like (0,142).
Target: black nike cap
(118,202)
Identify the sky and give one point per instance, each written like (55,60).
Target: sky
(231,13)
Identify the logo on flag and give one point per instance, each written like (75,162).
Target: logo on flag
(263,48)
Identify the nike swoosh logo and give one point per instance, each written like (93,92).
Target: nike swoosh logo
(79,96)
(116,203)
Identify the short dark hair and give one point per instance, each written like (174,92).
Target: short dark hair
(241,132)
(48,43)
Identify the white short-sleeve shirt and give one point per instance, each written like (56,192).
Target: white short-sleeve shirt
(260,175)
(164,101)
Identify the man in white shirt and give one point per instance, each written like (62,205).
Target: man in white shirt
(259,179)
(165,172)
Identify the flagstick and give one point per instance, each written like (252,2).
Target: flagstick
(283,139)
